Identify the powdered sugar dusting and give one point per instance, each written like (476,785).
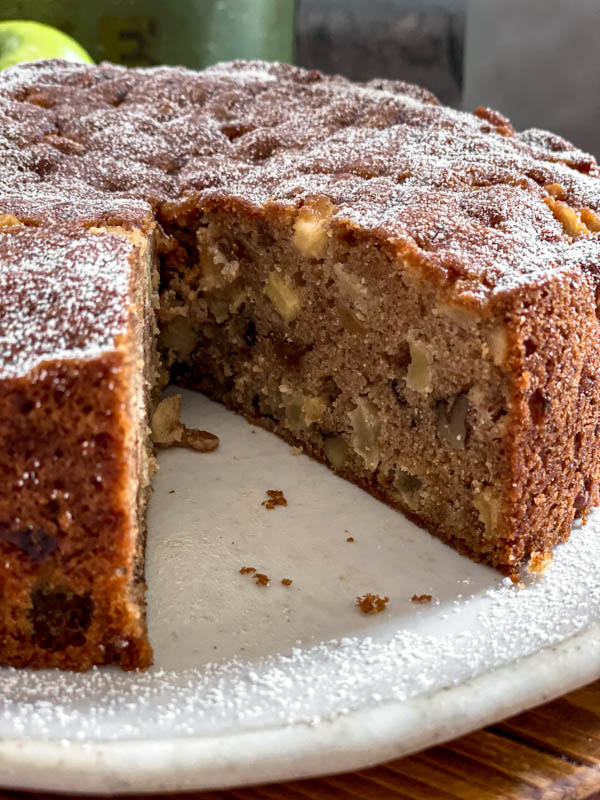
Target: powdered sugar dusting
(429,650)
(61,296)
(462,192)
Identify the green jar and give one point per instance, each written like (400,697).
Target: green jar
(194,33)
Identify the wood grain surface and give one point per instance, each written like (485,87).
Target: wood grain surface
(551,752)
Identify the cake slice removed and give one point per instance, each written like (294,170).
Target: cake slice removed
(76,336)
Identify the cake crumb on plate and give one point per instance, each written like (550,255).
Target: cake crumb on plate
(275,498)
(372,603)
(421,598)
(539,563)
(259,577)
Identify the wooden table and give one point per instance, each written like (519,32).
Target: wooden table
(551,752)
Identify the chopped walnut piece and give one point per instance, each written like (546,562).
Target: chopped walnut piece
(539,562)
(276,498)
(247,570)
(350,539)
(202,441)
(168,430)
(166,426)
(372,603)
(286,581)
(421,598)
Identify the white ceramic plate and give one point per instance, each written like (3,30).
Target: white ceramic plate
(261,683)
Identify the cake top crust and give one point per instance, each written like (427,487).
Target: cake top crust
(489,209)
(63,295)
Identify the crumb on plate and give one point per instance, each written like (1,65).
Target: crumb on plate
(372,603)
(260,578)
(421,598)
(275,498)
(539,562)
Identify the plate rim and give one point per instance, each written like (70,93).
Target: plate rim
(371,735)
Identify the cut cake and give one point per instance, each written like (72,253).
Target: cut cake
(406,291)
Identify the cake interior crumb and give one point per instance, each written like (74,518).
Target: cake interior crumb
(372,603)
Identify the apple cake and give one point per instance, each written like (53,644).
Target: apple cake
(406,291)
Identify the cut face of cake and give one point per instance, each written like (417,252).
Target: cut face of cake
(407,292)
(75,324)
(470,414)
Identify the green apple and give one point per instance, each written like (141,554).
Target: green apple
(29,41)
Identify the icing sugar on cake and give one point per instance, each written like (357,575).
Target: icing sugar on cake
(63,298)
(464,191)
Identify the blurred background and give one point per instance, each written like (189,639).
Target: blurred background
(537,61)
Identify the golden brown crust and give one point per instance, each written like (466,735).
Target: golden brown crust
(553,434)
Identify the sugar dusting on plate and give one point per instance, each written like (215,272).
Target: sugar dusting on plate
(308,684)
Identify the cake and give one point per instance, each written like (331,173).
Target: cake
(407,292)
(75,330)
